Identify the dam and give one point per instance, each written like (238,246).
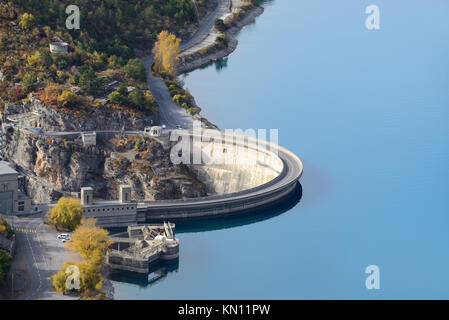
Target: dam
(241,174)
(251,178)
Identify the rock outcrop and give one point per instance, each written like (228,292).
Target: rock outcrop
(55,166)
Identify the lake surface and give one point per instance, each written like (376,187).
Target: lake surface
(368,113)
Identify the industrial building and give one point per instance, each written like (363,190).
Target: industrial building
(115,213)
(12,201)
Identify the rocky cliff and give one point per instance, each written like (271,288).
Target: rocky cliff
(56,166)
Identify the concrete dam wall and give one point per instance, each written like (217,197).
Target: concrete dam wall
(237,167)
(251,176)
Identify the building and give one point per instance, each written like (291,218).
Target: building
(89,139)
(141,246)
(12,201)
(119,213)
(59,47)
(154,131)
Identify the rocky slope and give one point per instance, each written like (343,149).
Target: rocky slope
(54,166)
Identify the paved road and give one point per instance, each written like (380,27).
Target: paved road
(170,113)
(197,41)
(40,254)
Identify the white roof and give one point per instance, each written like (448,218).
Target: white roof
(6,168)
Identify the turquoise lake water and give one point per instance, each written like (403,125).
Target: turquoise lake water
(368,113)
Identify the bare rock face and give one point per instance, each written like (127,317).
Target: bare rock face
(148,170)
(53,167)
(102,119)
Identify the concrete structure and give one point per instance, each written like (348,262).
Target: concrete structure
(139,247)
(87,196)
(124,193)
(89,139)
(286,170)
(109,214)
(59,47)
(241,187)
(12,201)
(154,131)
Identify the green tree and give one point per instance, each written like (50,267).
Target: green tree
(137,98)
(66,214)
(135,69)
(28,82)
(5,263)
(89,81)
(117,98)
(68,98)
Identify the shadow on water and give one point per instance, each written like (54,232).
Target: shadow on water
(243,218)
(157,272)
(234,220)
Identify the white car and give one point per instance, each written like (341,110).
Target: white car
(63,236)
(178,127)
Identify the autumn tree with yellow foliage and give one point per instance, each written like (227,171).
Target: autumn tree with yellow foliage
(92,243)
(166,51)
(89,278)
(66,214)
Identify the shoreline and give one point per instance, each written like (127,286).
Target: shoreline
(231,33)
(196,63)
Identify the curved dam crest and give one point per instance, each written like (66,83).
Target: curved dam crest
(247,183)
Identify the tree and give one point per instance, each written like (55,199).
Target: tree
(89,278)
(68,98)
(89,81)
(66,214)
(135,69)
(27,21)
(5,263)
(90,241)
(137,98)
(166,51)
(117,98)
(28,82)
(41,57)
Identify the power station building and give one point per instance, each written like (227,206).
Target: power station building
(116,213)
(12,201)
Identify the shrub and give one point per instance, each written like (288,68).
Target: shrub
(220,25)
(28,82)
(5,263)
